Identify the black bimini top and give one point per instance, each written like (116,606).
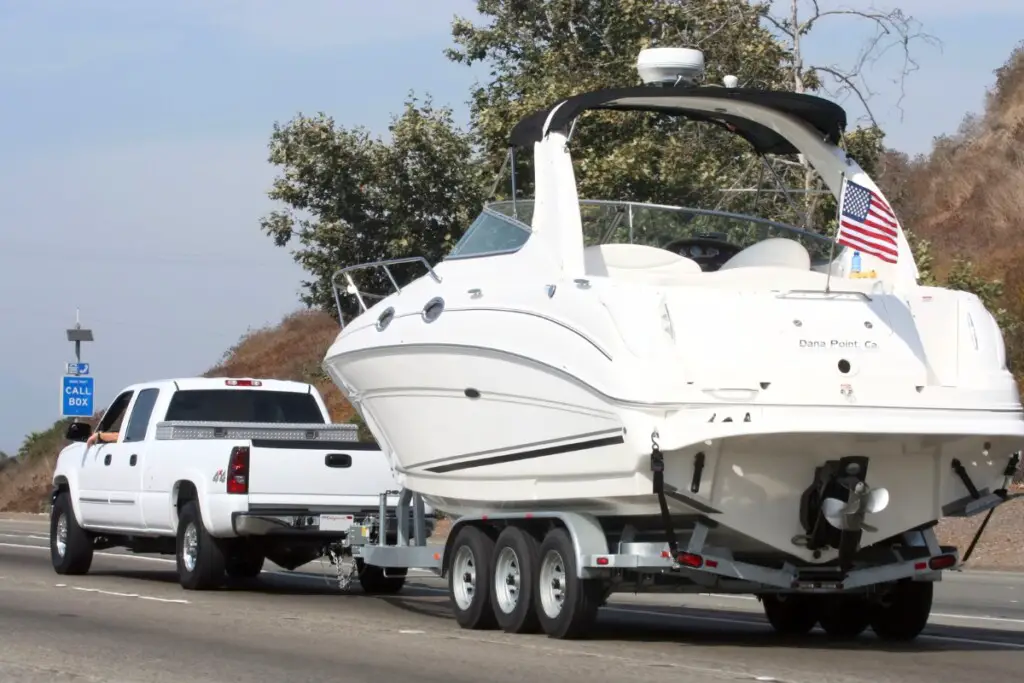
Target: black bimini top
(827,117)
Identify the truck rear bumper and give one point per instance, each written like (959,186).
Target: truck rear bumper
(319,524)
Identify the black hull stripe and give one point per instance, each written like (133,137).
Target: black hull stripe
(528,455)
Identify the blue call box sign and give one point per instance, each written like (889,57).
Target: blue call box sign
(76,397)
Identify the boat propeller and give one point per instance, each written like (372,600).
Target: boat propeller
(849,515)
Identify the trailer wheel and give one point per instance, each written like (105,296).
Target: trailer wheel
(903,613)
(566,605)
(200,556)
(844,617)
(71,546)
(378,581)
(792,615)
(515,565)
(469,582)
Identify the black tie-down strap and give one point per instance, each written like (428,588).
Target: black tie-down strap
(658,468)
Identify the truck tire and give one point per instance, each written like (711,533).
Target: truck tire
(469,579)
(844,617)
(375,582)
(71,546)
(566,605)
(904,612)
(791,615)
(516,555)
(200,556)
(243,562)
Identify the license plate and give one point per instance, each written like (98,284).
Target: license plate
(335,522)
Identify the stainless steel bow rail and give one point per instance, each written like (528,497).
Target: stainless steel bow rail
(353,289)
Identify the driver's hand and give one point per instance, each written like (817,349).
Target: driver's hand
(93,438)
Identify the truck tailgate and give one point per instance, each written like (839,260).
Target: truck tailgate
(307,475)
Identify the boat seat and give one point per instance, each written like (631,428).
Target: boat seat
(780,252)
(636,262)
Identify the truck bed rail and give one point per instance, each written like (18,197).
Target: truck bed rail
(179,429)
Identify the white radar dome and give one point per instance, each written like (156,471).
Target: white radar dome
(731,81)
(670,65)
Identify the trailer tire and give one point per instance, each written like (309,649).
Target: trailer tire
(515,568)
(791,615)
(71,546)
(904,612)
(844,617)
(196,547)
(469,579)
(566,605)
(378,581)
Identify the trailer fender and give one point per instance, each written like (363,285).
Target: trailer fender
(588,537)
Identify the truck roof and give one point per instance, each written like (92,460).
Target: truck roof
(254,383)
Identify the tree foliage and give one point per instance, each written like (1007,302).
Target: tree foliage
(351,198)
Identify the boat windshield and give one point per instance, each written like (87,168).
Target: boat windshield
(707,236)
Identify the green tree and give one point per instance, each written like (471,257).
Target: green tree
(540,52)
(350,198)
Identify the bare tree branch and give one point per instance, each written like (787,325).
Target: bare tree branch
(893,29)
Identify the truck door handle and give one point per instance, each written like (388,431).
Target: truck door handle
(338,460)
(106,459)
(133,459)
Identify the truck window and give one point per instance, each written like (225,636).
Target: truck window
(113,416)
(141,412)
(244,405)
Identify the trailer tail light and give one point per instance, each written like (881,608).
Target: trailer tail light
(238,470)
(942,562)
(243,382)
(690,560)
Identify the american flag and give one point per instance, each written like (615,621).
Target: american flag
(866,223)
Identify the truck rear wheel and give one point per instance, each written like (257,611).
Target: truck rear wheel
(200,556)
(566,604)
(71,546)
(380,581)
(469,584)
(515,568)
(901,615)
(791,615)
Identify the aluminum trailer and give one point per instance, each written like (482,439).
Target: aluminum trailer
(551,571)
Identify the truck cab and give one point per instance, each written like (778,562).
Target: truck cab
(222,472)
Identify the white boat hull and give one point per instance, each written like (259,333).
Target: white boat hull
(504,448)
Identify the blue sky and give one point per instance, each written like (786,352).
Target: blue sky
(133,167)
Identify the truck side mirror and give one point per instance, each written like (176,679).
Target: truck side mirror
(78,431)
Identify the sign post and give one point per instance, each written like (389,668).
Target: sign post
(77,389)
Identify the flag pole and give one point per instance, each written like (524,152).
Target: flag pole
(835,236)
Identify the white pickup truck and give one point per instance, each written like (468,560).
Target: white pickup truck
(224,474)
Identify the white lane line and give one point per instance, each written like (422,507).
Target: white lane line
(692,617)
(100,553)
(26,535)
(125,595)
(749,622)
(978,617)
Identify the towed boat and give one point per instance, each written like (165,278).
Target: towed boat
(793,396)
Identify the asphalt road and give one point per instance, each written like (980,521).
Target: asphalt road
(129,621)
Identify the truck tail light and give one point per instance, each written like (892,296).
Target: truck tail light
(243,382)
(238,470)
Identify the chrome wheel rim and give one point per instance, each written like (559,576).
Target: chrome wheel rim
(464,577)
(190,549)
(552,583)
(61,542)
(507,580)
